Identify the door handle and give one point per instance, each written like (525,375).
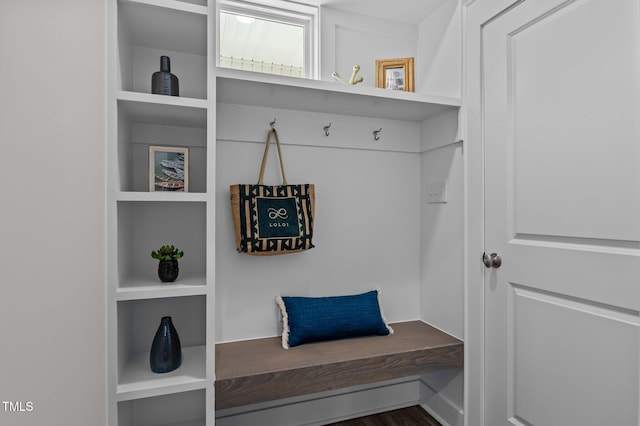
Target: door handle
(492,260)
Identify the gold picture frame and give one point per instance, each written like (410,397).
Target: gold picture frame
(395,74)
(168,169)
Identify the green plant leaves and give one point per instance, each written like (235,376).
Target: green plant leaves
(167,252)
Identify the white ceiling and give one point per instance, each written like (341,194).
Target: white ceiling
(407,11)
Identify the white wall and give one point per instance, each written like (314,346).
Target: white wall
(364,242)
(442,226)
(348,39)
(439,72)
(52,138)
(439,53)
(436,44)
(366,222)
(442,257)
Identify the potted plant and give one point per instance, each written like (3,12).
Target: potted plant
(168,266)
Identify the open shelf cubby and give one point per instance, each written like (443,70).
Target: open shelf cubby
(144,226)
(138,321)
(180,409)
(153,120)
(150,29)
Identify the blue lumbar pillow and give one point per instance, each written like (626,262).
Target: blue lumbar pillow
(314,319)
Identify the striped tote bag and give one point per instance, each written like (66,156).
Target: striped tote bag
(271,220)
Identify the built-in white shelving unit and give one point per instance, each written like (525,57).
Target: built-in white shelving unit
(139,32)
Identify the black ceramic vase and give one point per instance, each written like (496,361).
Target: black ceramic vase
(168,270)
(166,352)
(163,82)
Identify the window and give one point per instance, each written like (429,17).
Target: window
(274,37)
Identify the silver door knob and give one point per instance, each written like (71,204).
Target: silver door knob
(492,260)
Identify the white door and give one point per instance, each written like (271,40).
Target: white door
(561,89)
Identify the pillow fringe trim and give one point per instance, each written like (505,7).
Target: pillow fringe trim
(384,319)
(285,322)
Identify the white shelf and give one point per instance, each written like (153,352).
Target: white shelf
(149,287)
(164,196)
(165,110)
(166,24)
(138,381)
(265,90)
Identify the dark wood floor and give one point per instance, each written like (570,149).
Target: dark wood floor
(411,416)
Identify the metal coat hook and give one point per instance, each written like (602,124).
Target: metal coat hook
(376,134)
(326,129)
(273,124)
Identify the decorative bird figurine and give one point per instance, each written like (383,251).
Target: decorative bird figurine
(353,80)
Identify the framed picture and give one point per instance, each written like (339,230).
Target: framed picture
(168,169)
(395,74)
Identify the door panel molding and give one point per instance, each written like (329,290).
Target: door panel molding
(551,337)
(561,122)
(576,243)
(565,301)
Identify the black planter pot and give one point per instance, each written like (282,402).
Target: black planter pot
(166,352)
(168,270)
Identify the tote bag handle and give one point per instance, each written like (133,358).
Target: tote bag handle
(266,154)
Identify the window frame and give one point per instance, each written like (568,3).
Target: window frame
(285,12)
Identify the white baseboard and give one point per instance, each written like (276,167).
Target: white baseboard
(326,407)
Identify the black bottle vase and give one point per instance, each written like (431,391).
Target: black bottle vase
(166,352)
(163,82)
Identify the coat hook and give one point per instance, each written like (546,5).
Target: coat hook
(376,134)
(273,124)
(326,129)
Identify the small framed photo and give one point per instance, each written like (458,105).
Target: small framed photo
(395,74)
(168,169)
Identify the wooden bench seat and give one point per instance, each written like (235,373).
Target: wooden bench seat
(261,370)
